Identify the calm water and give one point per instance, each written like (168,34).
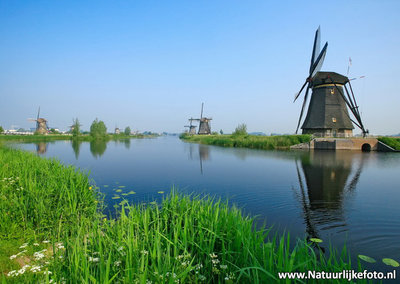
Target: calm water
(341,197)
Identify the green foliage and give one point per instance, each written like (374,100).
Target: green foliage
(1,129)
(53,131)
(221,132)
(76,127)
(240,130)
(127,130)
(98,129)
(391,141)
(98,147)
(250,141)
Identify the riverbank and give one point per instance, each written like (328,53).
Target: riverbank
(54,229)
(281,142)
(393,142)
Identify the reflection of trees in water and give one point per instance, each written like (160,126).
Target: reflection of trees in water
(41,148)
(325,186)
(127,143)
(98,147)
(76,146)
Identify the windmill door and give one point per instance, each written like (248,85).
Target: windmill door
(334,132)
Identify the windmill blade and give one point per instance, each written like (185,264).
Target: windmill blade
(302,108)
(201,114)
(316,47)
(298,94)
(38,113)
(318,62)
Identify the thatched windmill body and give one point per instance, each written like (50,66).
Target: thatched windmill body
(327,113)
(41,124)
(204,123)
(191,127)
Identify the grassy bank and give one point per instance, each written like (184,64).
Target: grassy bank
(391,141)
(53,230)
(249,141)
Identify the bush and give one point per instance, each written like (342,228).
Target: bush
(76,127)
(240,130)
(127,130)
(1,129)
(98,129)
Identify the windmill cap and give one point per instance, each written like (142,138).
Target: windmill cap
(322,78)
(41,120)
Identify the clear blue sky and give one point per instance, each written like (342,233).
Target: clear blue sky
(150,64)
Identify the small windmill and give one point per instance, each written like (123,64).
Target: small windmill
(204,123)
(192,128)
(327,113)
(41,124)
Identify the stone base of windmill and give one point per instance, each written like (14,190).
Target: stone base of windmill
(354,144)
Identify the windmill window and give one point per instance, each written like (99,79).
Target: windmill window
(333,119)
(332,91)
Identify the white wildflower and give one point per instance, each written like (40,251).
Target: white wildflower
(117,263)
(215,261)
(47,272)
(199,266)
(144,252)
(21,271)
(38,255)
(223,266)
(23,246)
(13,256)
(202,277)
(93,259)
(46,242)
(12,273)
(213,255)
(35,268)
(35,244)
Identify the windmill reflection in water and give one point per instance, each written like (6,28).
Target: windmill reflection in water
(327,179)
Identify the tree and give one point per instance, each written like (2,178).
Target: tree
(76,127)
(98,129)
(221,132)
(241,129)
(127,130)
(1,129)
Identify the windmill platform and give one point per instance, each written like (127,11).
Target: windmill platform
(355,144)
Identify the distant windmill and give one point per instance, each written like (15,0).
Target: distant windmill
(204,123)
(327,113)
(41,124)
(192,128)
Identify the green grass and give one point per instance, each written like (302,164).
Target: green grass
(249,141)
(391,141)
(192,239)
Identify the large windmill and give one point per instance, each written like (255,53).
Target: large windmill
(327,113)
(192,128)
(41,124)
(204,123)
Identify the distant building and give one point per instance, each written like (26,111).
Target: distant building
(117,131)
